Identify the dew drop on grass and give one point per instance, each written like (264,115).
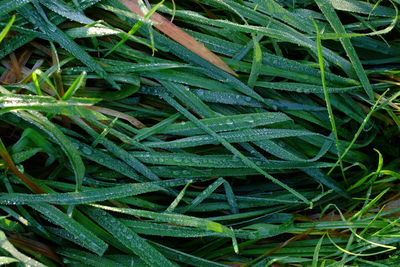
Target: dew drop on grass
(229,122)
(87,151)
(249,119)
(177,159)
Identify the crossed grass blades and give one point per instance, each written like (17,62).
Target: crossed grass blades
(199,133)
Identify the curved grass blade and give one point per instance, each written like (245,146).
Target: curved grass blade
(85,237)
(57,136)
(130,239)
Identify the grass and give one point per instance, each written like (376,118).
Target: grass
(199,133)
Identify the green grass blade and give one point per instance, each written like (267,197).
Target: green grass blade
(130,239)
(74,86)
(7,28)
(85,237)
(327,99)
(330,13)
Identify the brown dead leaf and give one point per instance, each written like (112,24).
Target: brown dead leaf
(180,36)
(22,242)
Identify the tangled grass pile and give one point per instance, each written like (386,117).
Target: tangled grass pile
(199,133)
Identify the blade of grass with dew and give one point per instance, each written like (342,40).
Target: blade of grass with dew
(57,136)
(327,99)
(121,153)
(62,9)
(176,219)
(22,39)
(245,135)
(60,37)
(230,147)
(227,123)
(9,6)
(130,239)
(330,13)
(89,196)
(84,236)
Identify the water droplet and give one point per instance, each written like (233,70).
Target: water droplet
(249,119)
(177,159)
(200,92)
(259,162)
(86,150)
(247,98)
(129,237)
(196,160)
(229,122)
(76,145)
(20,168)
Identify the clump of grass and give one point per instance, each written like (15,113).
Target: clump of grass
(209,140)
